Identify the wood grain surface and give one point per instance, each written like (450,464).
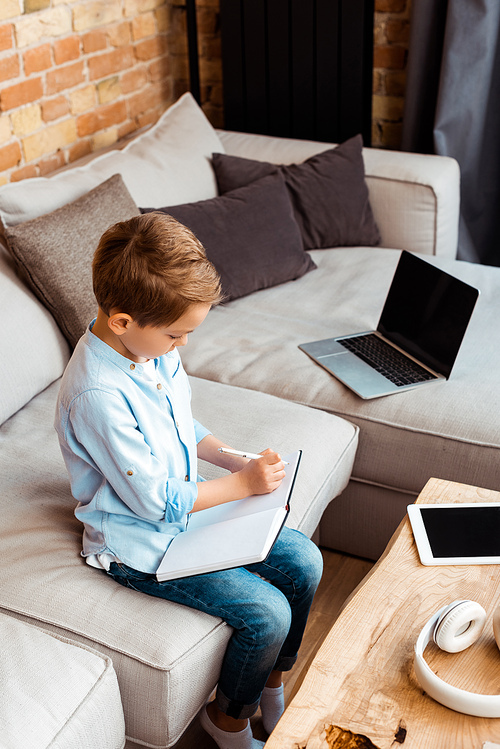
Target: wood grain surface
(361,690)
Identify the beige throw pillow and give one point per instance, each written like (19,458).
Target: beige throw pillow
(166,165)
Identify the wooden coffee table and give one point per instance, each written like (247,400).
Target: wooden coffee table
(361,690)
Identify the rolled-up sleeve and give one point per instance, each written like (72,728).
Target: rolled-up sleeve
(200,431)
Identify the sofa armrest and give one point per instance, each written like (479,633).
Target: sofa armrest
(415,197)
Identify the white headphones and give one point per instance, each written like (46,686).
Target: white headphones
(453,629)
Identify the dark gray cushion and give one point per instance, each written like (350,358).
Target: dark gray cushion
(55,252)
(249,234)
(328,192)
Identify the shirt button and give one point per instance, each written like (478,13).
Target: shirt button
(130,473)
(132,367)
(159,386)
(177,424)
(186,478)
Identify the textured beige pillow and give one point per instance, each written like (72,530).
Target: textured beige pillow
(55,252)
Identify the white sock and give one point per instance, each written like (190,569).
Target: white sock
(229,739)
(272,705)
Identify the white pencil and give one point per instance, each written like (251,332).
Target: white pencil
(243,454)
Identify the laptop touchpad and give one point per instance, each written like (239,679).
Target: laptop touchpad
(319,349)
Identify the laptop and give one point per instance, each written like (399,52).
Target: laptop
(419,334)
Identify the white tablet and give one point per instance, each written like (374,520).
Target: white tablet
(457,533)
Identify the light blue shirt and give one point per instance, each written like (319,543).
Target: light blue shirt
(129,444)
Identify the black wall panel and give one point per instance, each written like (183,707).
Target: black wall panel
(298,68)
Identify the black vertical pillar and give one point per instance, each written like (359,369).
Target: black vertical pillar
(192,34)
(298,68)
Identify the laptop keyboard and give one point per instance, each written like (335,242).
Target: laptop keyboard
(387,360)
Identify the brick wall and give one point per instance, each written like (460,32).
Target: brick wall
(391,34)
(209,51)
(77,75)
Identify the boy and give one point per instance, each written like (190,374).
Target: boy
(131,445)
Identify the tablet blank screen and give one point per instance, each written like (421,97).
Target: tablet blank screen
(463,531)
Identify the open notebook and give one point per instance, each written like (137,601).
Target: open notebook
(232,534)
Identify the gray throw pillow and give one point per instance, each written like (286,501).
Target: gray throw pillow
(249,234)
(54,252)
(328,193)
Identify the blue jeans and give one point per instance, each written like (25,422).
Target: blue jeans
(268,613)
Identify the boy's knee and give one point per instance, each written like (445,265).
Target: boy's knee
(311,561)
(315,562)
(274,615)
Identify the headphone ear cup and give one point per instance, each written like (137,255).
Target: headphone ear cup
(459,626)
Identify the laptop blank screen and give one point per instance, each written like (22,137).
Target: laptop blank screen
(427,312)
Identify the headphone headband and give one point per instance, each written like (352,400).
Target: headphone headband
(453,616)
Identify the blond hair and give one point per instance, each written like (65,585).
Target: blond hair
(153,268)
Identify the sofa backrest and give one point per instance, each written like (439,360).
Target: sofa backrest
(415,198)
(34,351)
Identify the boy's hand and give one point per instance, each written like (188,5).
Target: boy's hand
(259,476)
(265,474)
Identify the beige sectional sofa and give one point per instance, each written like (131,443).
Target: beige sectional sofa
(363,461)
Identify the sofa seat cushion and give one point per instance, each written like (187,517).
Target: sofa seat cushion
(56,692)
(448,430)
(167,657)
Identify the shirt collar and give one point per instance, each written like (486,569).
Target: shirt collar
(123,362)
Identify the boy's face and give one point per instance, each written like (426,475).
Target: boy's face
(150,342)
